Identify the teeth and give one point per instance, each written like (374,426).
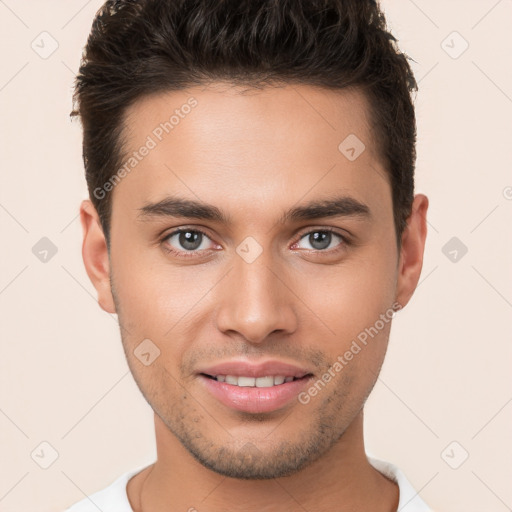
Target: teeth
(246,382)
(265,382)
(231,379)
(259,382)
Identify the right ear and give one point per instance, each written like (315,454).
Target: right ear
(95,255)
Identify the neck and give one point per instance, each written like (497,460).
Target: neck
(341,480)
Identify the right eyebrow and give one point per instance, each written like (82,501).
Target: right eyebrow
(180,207)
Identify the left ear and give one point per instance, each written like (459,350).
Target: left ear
(411,252)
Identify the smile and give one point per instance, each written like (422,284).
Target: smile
(258,382)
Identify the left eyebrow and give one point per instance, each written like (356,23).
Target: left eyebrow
(343,206)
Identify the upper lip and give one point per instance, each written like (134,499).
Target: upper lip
(262,369)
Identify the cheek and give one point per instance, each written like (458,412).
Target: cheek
(355,365)
(167,305)
(350,297)
(155,295)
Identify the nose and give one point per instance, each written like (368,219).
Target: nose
(255,301)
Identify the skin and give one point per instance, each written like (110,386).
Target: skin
(254,155)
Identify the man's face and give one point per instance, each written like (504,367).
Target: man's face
(255,287)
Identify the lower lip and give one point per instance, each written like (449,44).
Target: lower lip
(253,399)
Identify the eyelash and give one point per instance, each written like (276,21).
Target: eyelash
(193,254)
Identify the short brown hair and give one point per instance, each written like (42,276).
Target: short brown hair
(141,47)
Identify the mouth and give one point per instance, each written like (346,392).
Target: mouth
(246,381)
(254,388)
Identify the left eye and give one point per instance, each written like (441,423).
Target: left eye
(319,240)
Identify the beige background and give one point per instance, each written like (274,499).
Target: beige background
(63,376)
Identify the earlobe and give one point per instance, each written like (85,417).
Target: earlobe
(95,255)
(411,253)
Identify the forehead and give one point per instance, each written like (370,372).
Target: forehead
(251,146)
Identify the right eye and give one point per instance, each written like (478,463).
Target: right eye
(186,242)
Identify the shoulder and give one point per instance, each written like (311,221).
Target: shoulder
(112,498)
(409,500)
